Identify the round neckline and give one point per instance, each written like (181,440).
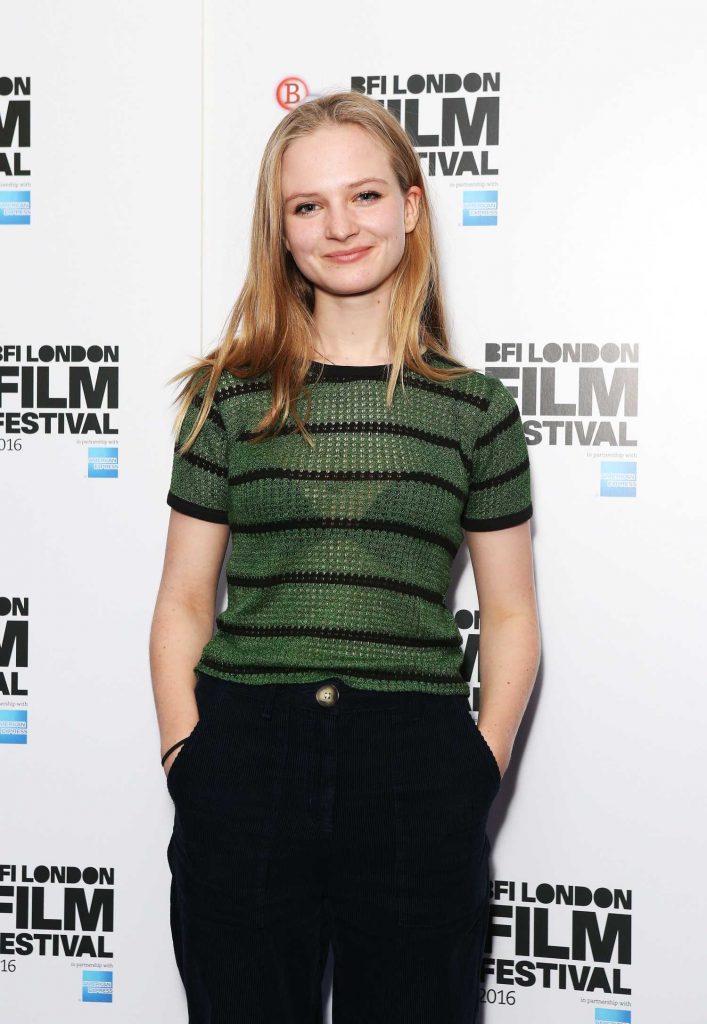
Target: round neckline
(372,371)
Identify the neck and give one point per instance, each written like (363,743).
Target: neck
(352,329)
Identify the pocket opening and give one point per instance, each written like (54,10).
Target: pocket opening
(484,742)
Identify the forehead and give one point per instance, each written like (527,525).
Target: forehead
(330,157)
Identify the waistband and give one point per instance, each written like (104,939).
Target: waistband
(303,695)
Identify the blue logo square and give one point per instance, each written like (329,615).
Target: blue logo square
(603,1016)
(618,480)
(102,461)
(13,725)
(480,207)
(97,987)
(15,207)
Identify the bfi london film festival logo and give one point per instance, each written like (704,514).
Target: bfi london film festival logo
(557,936)
(15,134)
(62,911)
(582,395)
(61,389)
(14,658)
(452,120)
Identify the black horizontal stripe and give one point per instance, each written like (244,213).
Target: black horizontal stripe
(368,427)
(498,522)
(330,523)
(214,412)
(500,478)
(498,428)
(365,636)
(206,464)
(341,578)
(353,475)
(442,390)
(189,508)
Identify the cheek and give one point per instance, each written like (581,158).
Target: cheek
(300,240)
(390,226)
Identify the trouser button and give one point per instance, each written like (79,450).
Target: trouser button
(327,694)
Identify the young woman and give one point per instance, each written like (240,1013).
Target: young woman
(328,780)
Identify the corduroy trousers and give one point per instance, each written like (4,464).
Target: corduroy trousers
(360,822)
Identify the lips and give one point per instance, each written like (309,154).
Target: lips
(349,256)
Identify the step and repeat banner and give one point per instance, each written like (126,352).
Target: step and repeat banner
(565,151)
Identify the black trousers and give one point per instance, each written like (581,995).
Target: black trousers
(360,821)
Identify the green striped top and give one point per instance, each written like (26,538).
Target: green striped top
(341,554)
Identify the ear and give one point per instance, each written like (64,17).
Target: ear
(412,207)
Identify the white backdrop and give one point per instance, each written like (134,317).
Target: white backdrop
(585,295)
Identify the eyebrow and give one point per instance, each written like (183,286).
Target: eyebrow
(353,184)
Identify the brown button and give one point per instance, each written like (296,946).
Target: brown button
(327,694)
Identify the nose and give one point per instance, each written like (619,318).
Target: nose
(340,222)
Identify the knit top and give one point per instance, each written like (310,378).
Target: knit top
(341,553)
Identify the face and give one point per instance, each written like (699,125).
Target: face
(340,194)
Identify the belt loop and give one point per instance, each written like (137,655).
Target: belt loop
(271,692)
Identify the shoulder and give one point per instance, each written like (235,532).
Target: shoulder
(221,407)
(238,399)
(229,385)
(490,391)
(485,392)
(485,406)
(479,390)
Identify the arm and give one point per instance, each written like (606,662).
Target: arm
(183,621)
(509,644)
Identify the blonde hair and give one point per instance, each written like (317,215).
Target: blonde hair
(271,324)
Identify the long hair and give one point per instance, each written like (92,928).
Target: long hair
(271,324)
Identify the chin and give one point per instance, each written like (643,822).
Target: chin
(340,286)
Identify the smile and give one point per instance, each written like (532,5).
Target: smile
(350,257)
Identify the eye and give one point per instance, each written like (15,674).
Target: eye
(301,206)
(303,209)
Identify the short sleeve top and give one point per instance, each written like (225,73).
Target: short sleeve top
(341,553)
